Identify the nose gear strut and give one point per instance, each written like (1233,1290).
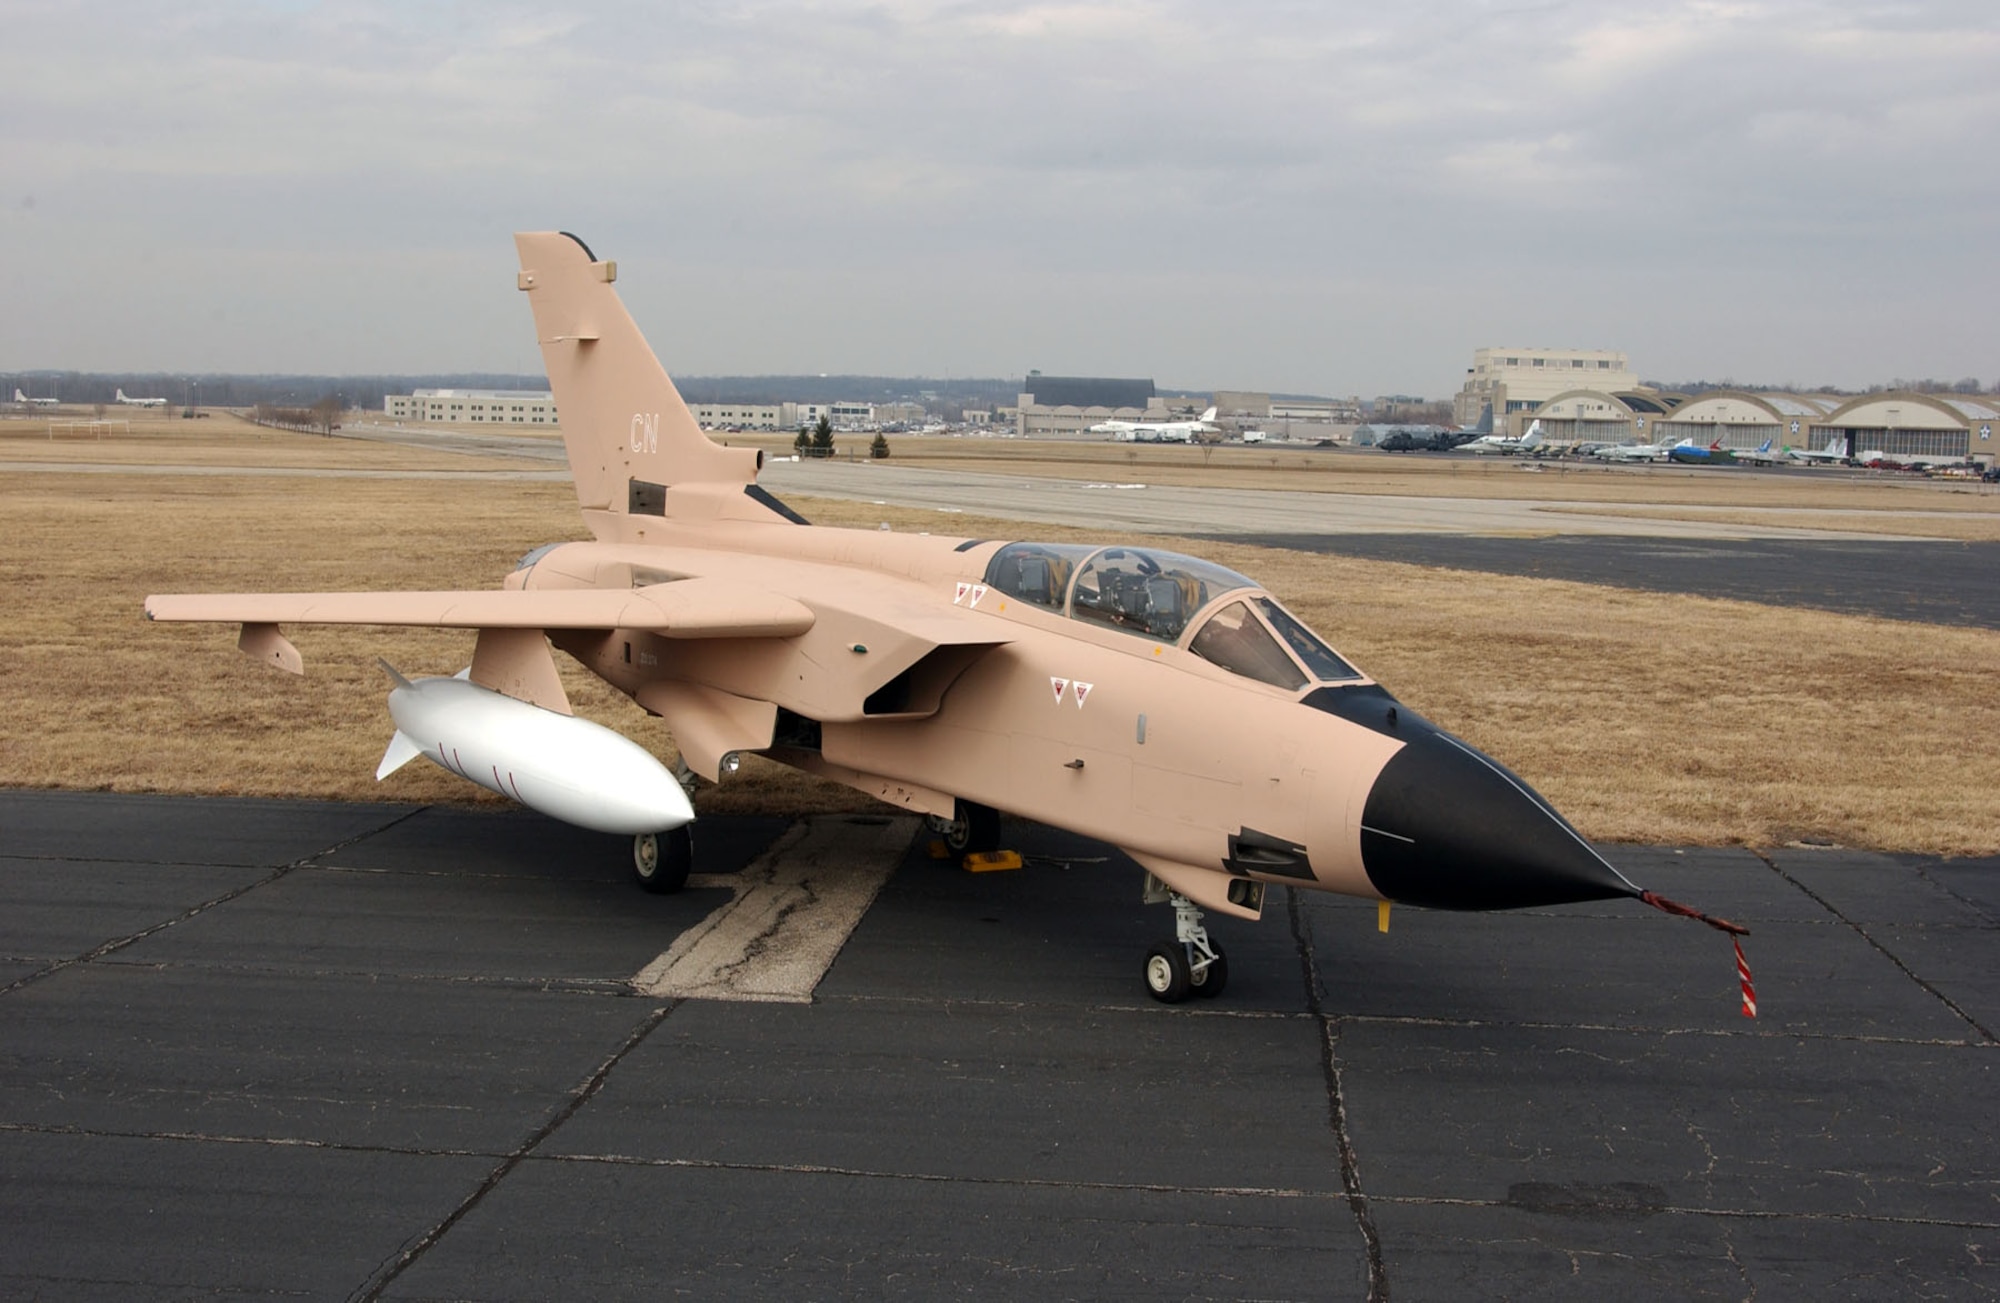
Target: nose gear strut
(1190,964)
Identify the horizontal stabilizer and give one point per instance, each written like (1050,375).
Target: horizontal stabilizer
(401,752)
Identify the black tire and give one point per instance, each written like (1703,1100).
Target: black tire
(1166,972)
(1215,978)
(660,861)
(973,830)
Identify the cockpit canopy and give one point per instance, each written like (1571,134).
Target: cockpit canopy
(1164,595)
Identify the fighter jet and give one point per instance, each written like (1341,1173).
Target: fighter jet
(1833,454)
(1505,444)
(1634,452)
(1762,455)
(1159,702)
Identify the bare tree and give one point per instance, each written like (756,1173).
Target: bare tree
(325,414)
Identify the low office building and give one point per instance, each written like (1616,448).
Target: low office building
(473,406)
(738,416)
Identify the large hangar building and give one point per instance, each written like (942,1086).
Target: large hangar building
(1910,426)
(1066,406)
(1740,420)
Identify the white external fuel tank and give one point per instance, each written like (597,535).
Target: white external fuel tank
(562,766)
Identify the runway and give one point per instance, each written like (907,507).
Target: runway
(1130,506)
(382,1051)
(1929,580)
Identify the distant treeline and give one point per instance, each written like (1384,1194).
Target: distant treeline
(1695,388)
(322,417)
(294,391)
(367,391)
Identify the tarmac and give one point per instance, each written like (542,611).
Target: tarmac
(280,1048)
(1931,581)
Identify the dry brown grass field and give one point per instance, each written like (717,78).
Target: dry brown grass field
(1645,717)
(224,439)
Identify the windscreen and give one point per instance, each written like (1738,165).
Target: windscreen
(1321,659)
(1237,640)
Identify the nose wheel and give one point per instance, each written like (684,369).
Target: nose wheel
(1188,965)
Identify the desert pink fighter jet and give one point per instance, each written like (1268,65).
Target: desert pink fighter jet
(1159,702)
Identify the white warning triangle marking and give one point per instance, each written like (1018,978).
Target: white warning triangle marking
(978,592)
(1082,691)
(959,596)
(1059,685)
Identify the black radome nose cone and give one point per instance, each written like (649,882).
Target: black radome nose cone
(1447,827)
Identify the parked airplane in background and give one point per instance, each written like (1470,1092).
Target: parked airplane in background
(1505,445)
(1690,453)
(26,401)
(1762,455)
(1157,431)
(139,402)
(1833,454)
(1158,702)
(1634,452)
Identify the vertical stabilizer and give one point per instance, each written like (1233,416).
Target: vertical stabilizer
(629,436)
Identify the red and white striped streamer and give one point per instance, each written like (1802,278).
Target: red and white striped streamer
(1743,975)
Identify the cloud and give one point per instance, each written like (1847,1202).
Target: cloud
(1331,196)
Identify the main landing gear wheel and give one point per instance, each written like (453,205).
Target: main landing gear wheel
(972,830)
(660,861)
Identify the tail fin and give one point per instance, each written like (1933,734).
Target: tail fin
(401,751)
(121,396)
(1208,415)
(634,448)
(20,397)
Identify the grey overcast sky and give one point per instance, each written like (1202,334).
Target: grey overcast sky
(1322,196)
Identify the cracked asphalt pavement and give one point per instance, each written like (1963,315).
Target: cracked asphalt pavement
(332,1051)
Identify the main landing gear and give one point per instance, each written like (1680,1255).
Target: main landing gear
(973,829)
(660,861)
(1190,964)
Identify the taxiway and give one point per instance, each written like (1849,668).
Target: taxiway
(381,1051)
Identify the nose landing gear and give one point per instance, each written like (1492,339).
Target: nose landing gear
(1190,964)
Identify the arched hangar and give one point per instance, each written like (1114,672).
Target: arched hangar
(1907,426)
(1740,420)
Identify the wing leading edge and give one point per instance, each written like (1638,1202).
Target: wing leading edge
(689,608)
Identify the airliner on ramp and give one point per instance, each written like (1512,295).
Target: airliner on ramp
(123,401)
(1157,431)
